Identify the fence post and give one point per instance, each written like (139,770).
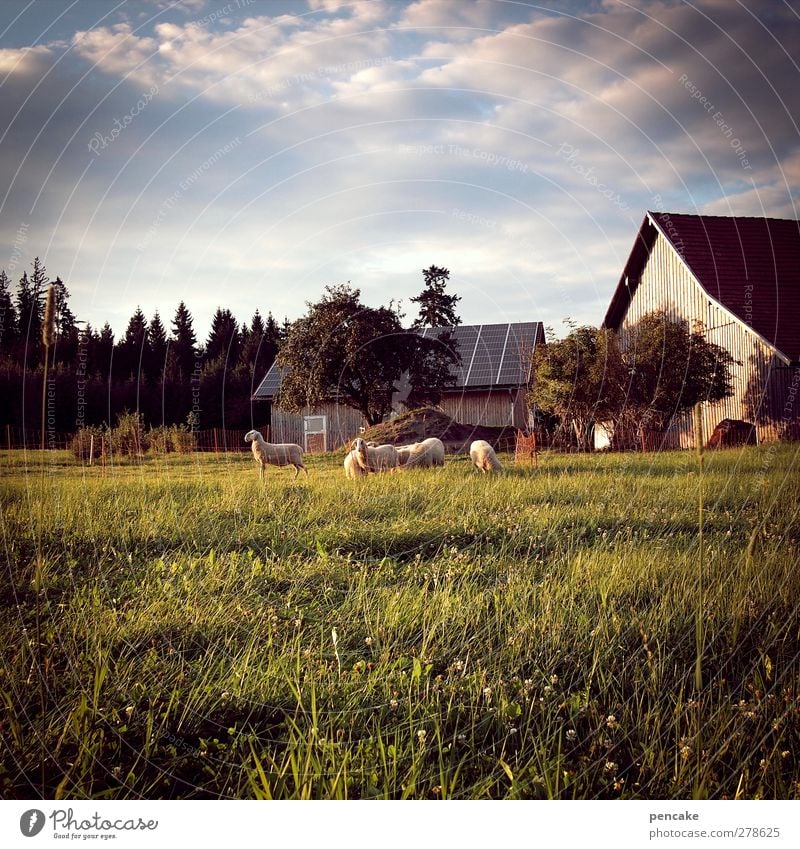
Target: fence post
(216,445)
(91,449)
(8,436)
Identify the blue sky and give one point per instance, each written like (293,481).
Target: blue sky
(247,153)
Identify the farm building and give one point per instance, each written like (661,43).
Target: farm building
(489,388)
(738,281)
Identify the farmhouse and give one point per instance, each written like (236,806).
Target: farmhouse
(489,388)
(737,280)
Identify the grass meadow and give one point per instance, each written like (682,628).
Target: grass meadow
(176,629)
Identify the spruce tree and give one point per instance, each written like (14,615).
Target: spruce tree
(436,307)
(183,343)
(8,315)
(130,351)
(156,349)
(223,341)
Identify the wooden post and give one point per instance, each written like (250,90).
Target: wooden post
(8,436)
(91,449)
(216,445)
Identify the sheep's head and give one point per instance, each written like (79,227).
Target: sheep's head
(251,435)
(360,449)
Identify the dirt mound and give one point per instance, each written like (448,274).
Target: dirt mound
(428,421)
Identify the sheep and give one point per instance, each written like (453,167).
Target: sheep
(272,454)
(429,452)
(483,456)
(351,468)
(382,458)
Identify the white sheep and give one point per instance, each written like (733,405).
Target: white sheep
(483,456)
(351,468)
(275,454)
(429,452)
(382,458)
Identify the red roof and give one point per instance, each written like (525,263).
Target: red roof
(750,265)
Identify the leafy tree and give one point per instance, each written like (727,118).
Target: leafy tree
(432,370)
(580,379)
(183,343)
(436,307)
(671,368)
(344,351)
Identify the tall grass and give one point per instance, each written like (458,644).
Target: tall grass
(531,635)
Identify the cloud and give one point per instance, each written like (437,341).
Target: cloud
(517,146)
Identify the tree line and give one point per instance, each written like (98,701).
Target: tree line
(164,374)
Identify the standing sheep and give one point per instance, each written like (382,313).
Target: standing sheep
(483,456)
(272,454)
(382,458)
(351,468)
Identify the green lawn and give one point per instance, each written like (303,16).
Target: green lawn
(529,635)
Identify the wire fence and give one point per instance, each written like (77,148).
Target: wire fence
(215,440)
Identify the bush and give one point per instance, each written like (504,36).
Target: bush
(128,438)
(81,443)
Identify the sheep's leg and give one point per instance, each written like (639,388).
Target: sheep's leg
(261,471)
(296,472)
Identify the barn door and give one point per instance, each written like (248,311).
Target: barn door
(315,434)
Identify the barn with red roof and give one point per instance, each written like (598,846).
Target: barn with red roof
(737,280)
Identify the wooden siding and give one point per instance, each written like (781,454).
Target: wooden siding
(765,388)
(343,424)
(492,408)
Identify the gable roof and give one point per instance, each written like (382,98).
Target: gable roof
(492,356)
(727,255)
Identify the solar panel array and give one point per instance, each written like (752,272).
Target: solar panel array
(491,355)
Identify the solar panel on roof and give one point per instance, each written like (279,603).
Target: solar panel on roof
(491,355)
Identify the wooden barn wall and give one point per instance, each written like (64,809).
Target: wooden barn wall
(667,284)
(493,408)
(497,408)
(343,424)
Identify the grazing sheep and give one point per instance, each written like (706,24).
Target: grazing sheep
(351,468)
(382,458)
(483,456)
(429,452)
(271,454)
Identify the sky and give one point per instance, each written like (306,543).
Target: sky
(248,153)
